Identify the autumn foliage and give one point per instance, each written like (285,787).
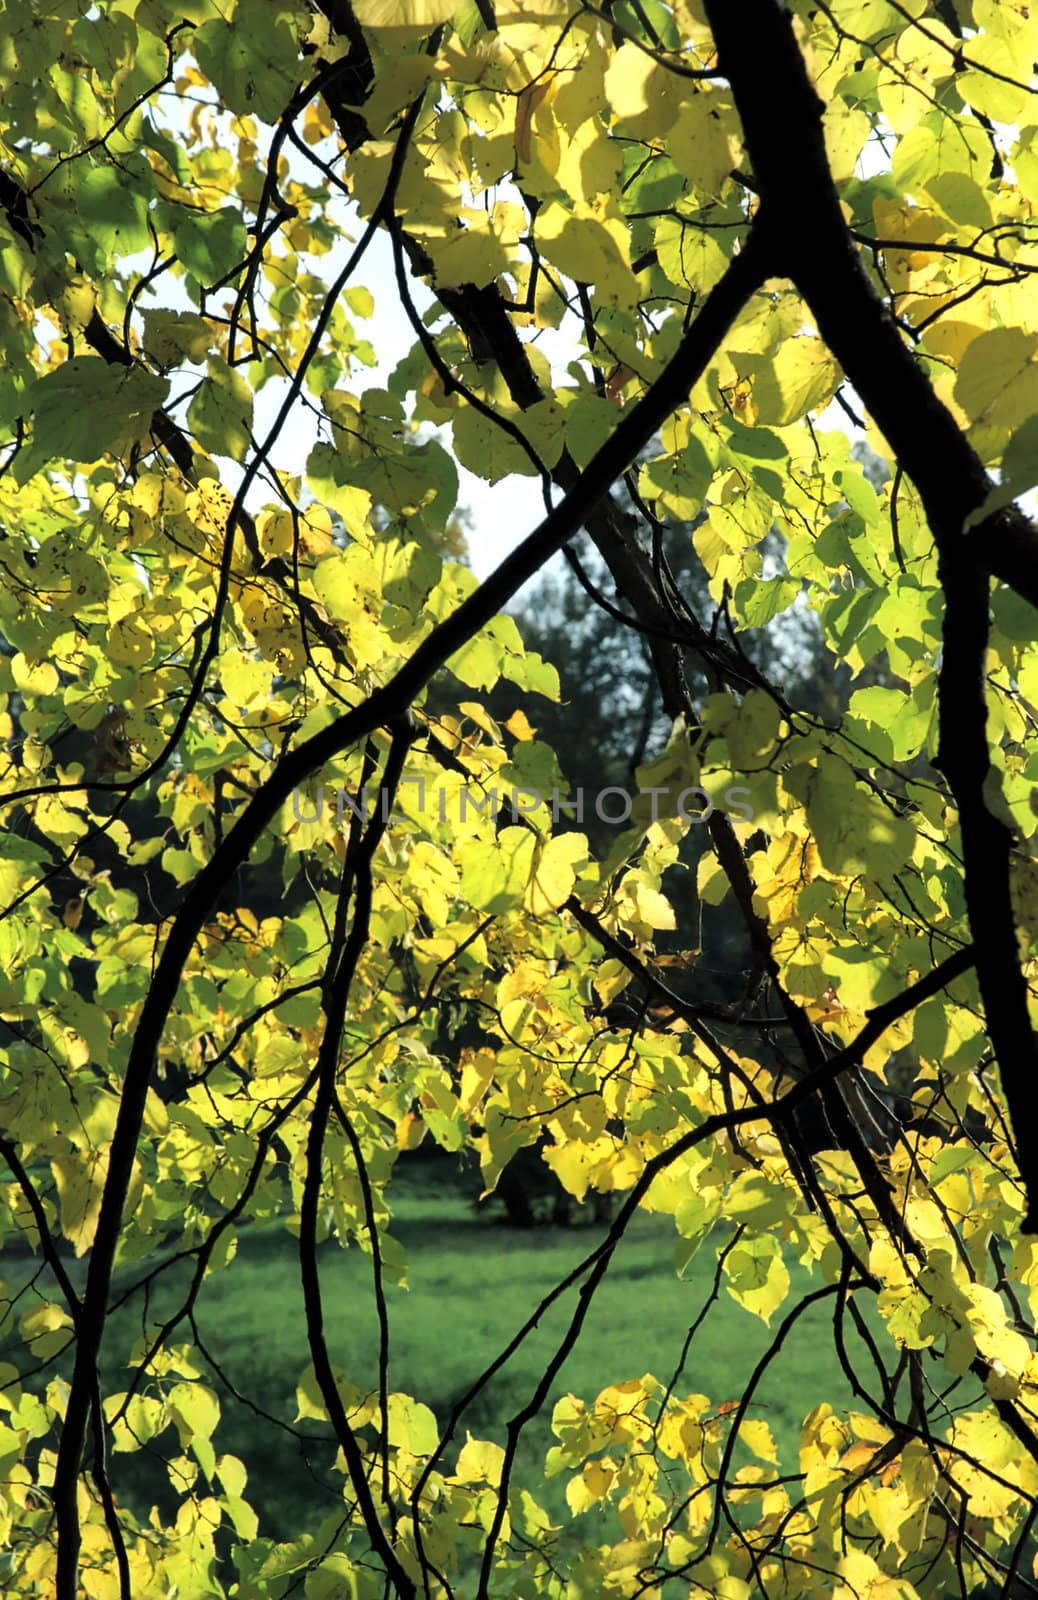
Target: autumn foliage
(766,274)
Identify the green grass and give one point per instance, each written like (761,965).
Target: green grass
(472,1283)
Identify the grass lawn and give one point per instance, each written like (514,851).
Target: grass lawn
(472,1282)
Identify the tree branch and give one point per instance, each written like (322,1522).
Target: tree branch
(385,706)
(781,116)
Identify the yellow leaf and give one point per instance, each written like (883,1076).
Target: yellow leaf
(275,532)
(997,383)
(648,905)
(33,678)
(554,871)
(703,140)
(410,1131)
(479,1461)
(755,1433)
(482,250)
(79,1180)
(76,303)
(983,1438)
(643,95)
(525,106)
(519,727)
(800,377)
(404,13)
(846,129)
(572,1164)
(590,245)
(863,1579)
(315,530)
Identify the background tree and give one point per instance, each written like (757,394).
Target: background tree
(252,875)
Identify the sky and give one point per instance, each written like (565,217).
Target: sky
(502,513)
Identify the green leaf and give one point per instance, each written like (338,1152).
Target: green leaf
(760,601)
(220,413)
(479,662)
(855,831)
(211,245)
(82,408)
(486,449)
(494,873)
(859,493)
(680,480)
(195,1410)
(114,211)
(412,1426)
(689,253)
(250,57)
(757,1275)
(330,477)
(334,1579)
(755,444)
(937,145)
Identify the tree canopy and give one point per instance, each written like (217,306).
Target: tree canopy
(267,818)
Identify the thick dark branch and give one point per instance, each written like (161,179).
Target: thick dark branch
(781,115)
(782,125)
(482,315)
(879,1018)
(384,707)
(597,1262)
